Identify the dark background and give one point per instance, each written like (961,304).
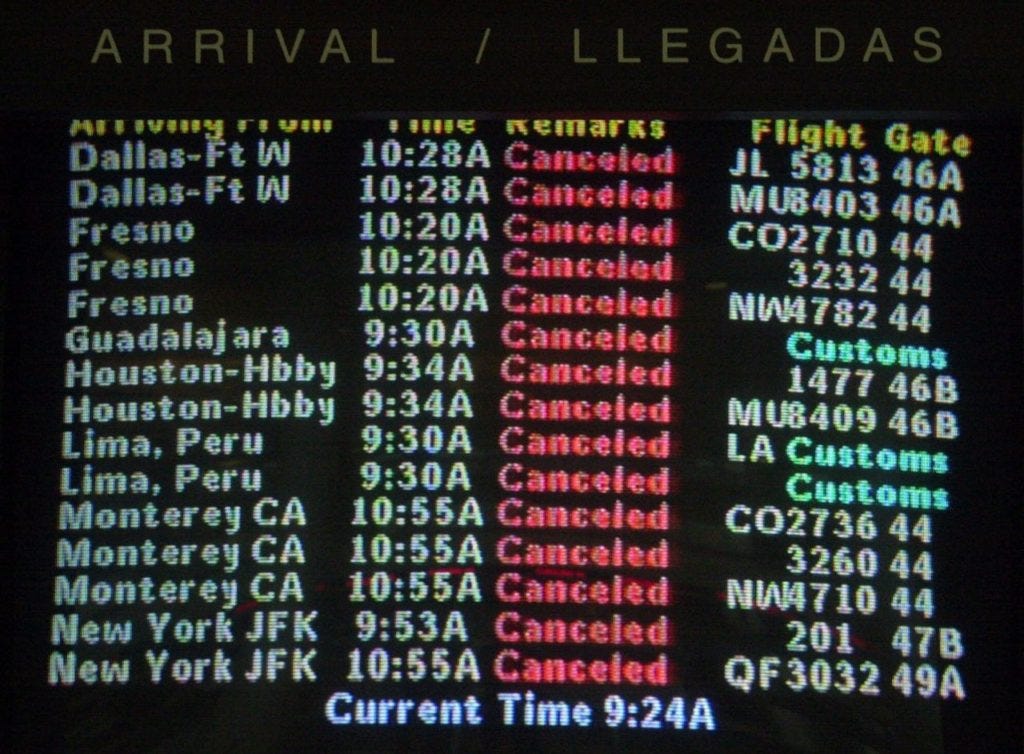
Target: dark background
(527,66)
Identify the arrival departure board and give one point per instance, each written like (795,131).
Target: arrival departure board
(445,431)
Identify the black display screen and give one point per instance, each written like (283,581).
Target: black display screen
(460,429)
